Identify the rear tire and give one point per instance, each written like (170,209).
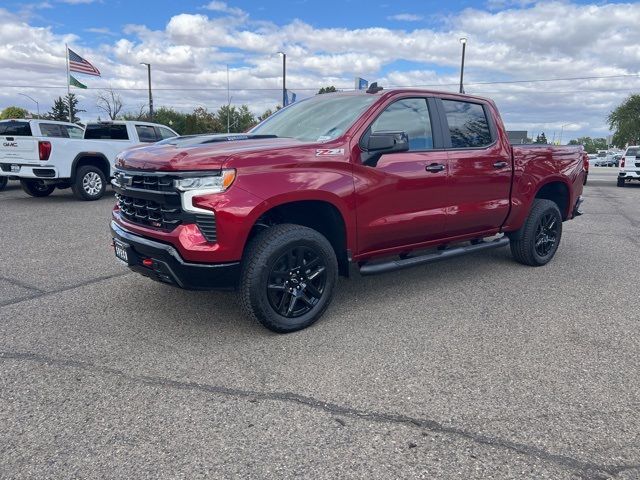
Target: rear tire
(621,182)
(3,183)
(89,184)
(536,243)
(288,277)
(37,188)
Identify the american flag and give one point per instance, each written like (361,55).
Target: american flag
(80,65)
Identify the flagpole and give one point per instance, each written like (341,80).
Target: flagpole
(66,47)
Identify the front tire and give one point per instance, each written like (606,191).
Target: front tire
(288,277)
(37,188)
(89,184)
(536,243)
(3,183)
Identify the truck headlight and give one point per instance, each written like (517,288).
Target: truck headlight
(196,186)
(208,184)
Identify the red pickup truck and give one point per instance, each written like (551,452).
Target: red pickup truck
(380,181)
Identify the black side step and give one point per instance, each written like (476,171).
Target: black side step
(391,265)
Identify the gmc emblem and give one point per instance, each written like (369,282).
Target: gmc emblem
(10,144)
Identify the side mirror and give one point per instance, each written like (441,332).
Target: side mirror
(387,142)
(380,143)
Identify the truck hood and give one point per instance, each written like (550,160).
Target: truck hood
(201,152)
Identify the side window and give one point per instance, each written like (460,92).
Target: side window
(166,133)
(146,133)
(53,130)
(74,132)
(468,124)
(102,131)
(411,116)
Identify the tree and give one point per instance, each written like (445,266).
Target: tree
(542,138)
(591,145)
(13,112)
(625,121)
(240,119)
(267,113)
(60,109)
(329,89)
(110,102)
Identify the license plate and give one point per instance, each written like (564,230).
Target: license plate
(15,168)
(121,251)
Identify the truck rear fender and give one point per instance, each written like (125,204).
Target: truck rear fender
(554,188)
(321,215)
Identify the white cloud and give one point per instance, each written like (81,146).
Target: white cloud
(223,7)
(77,2)
(406,17)
(100,31)
(189,56)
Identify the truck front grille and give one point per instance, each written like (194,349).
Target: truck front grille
(148,213)
(151,201)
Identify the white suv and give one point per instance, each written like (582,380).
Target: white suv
(629,166)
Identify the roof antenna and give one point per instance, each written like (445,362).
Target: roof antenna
(374,88)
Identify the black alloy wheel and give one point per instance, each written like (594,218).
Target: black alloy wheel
(546,234)
(288,275)
(296,281)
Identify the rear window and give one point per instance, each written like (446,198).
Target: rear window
(468,124)
(632,152)
(106,132)
(17,129)
(146,133)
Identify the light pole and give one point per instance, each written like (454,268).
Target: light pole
(228,102)
(33,100)
(150,97)
(463,41)
(562,130)
(284,79)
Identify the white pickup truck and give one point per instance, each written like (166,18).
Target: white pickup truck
(72,158)
(629,165)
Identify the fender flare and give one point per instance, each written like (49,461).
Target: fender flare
(76,160)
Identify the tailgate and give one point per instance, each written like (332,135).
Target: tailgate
(19,149)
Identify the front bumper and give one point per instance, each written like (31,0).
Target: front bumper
(40,172)
(164,264)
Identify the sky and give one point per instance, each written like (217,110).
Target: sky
(401,43)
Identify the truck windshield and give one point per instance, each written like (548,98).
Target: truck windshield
(316,119)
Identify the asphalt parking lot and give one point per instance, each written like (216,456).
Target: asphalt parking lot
(473,368)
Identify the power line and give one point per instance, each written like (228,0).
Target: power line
(277,89)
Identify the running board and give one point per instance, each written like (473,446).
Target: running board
(389,266)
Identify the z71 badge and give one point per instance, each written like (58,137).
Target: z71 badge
(327,152)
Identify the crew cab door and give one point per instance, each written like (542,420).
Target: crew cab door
(401,198)
(480,168)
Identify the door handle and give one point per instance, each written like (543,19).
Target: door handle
(434,167)
(499,164)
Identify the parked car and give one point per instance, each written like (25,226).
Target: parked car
(629,165)
(337,182)
(9,129)
(81,161)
